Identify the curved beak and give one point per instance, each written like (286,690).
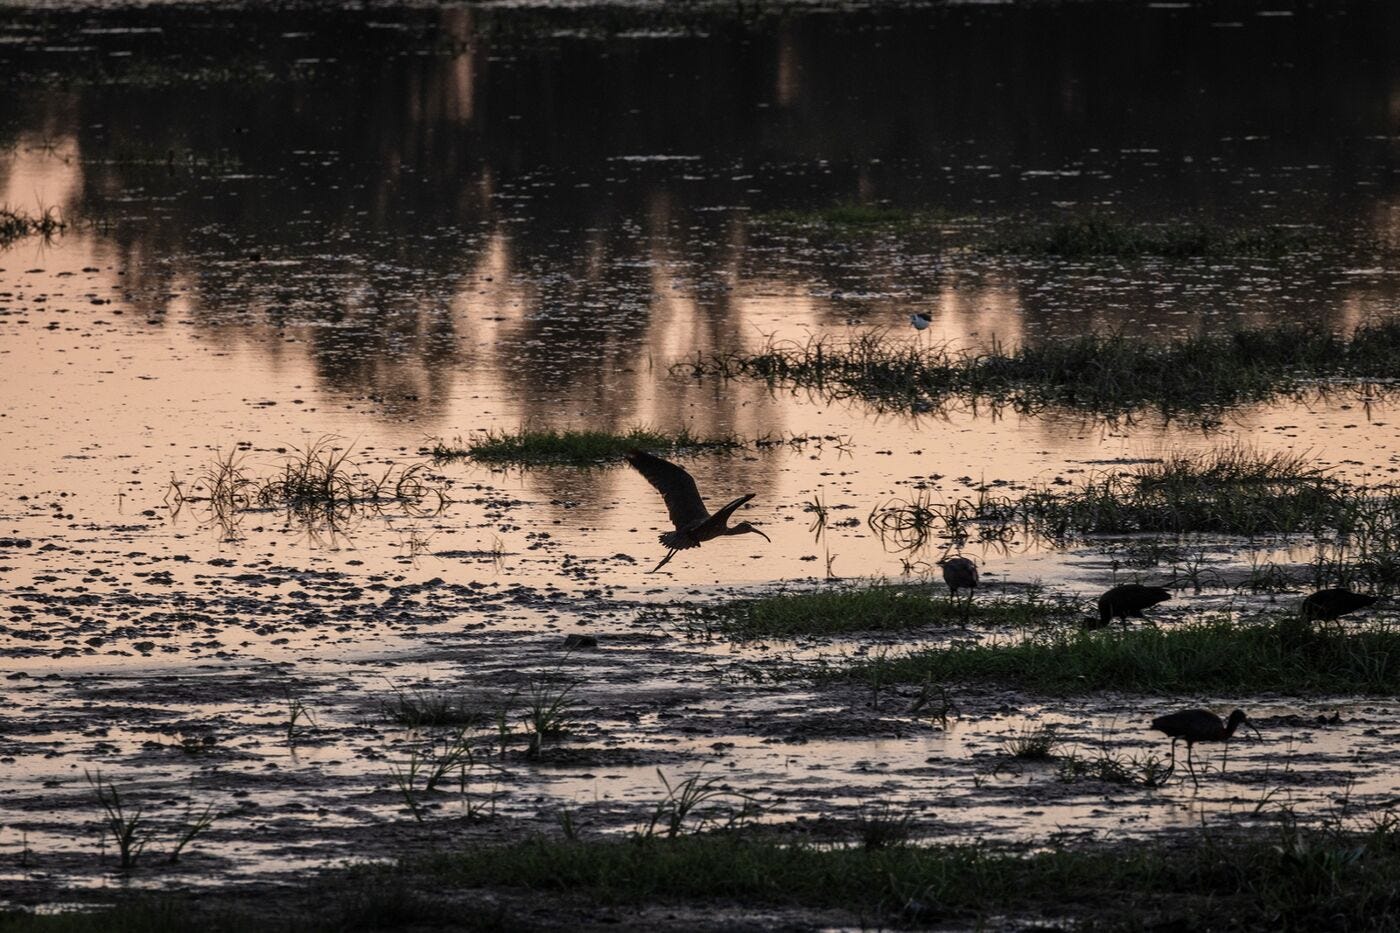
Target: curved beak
(757,532)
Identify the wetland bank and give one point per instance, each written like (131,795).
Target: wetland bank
(324,591)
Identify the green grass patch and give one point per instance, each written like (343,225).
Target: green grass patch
(1286,878)
(1279,655)
(1102,374)
(853,610)
(1104,237)
(532,447)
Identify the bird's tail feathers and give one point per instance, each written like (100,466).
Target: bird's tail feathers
(676,540)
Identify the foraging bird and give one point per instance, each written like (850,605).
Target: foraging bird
(959,573)
(1329,604)
(920,320)
(1129,599)
(694,523)
(1199,725)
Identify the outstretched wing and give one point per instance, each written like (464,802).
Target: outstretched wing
(676,486)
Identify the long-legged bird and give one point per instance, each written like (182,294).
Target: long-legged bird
(1198,725)
(1129,599)
(693,521)
(1329,604)
(960,573)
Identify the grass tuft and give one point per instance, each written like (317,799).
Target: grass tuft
(531,446)
(17,224)
(1102,374)
(880,608)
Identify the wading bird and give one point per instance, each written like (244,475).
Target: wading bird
(920,320)
(1199,725)
(694,523)
(1329,604)
(960,573)
(1126,600)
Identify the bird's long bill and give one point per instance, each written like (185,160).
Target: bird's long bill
(1255,730)
(757,532)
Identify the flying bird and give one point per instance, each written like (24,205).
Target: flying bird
(1199,725)
(693,521)
(1329,604)
(1128,599)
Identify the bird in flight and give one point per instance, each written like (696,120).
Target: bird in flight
(693,521)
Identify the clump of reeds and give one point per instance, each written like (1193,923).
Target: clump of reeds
(1232,491)
(1110,375)
(546,446)
(16,224)
(317,486)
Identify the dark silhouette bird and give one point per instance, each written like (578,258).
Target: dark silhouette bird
(1129,599)
(920,320)
(960,573)
(1329,604)
(693,521)
(1198,725)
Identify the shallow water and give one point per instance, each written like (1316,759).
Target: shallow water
(402,224)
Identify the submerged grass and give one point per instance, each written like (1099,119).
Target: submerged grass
(1106,237)
(1103,374)
(881,608)
(16,224)
(318,487)
(534,446)
(1287,878)
(852,216)
(1283,655)
(1229,491)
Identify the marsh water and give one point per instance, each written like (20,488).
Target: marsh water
(389,225)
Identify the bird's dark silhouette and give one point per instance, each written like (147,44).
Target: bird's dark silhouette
(1198,725)
(1128,599)
(693,521)
(1329,604)
(960,573)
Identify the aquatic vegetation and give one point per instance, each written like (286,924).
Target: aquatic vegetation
(16,224)
(317,486)
(846,610)
(1110,375)
(708,800)
(545,446)
(1148,769)
(129,830)
(423,708)
(549,708)
(1037,743)
(1227,491)
(1278,654)
(1106,237)
(1334,877)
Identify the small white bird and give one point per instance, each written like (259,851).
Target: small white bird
(920,320)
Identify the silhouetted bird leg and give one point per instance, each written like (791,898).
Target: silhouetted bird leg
(1191,766)
(1225,757)
(669,555)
